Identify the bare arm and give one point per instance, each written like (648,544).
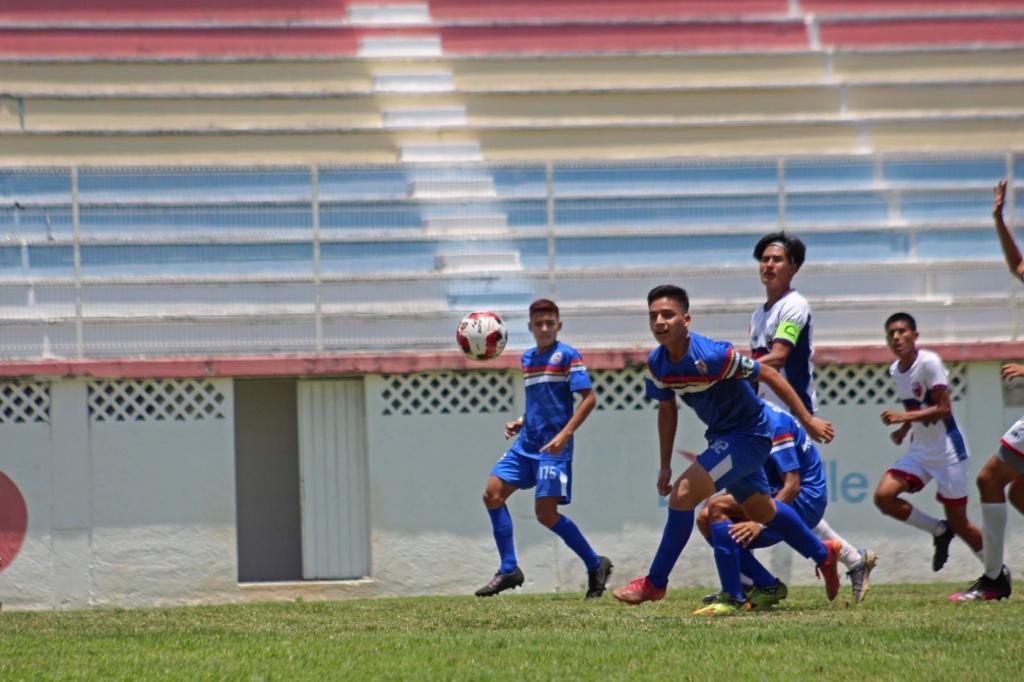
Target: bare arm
(583,410)
(668,421)
(1011,252)
(933,413)
(790,487)
(818,429)
(777,356)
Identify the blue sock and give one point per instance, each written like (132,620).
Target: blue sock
(727,559)
(570,533)
(673,539)
(755,570)
(794,531)
(501,523)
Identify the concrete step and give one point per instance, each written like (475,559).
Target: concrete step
(434,153)
(414,82)
(425,118)
(503,261)
(445,188)
(495,223)
(400,46)
(367,14)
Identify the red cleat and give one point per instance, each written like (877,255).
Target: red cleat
(829,569)
(638,591)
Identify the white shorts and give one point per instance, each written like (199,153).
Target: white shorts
(951,479)
(1011,446)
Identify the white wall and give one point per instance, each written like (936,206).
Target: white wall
(142,512)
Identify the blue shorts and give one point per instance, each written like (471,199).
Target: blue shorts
(551,475)
(809,509)
(736,463)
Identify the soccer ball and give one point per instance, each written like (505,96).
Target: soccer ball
(482,335)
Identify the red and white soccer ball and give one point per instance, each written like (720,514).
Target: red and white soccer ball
(482,335)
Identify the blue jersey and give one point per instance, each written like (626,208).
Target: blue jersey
(792,450)
(712,378)
(550,378)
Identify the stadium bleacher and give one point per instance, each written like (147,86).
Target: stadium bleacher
(210,168)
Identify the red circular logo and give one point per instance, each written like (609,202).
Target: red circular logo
(13,521)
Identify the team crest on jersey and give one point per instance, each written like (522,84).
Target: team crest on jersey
(556,358)
(917,389)
(701,366)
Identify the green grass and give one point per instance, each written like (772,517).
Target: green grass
(900,633)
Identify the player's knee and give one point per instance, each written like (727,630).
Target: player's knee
(492,499)
(885,502)
(703,525)
(547,517)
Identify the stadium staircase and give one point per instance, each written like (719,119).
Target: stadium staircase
(337,175)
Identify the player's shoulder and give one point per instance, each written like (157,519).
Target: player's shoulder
(793,302)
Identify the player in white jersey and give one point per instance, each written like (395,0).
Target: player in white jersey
(1003,473)
(781,332)
(937,448)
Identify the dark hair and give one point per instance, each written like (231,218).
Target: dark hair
(795,249)
(544,305)
(901,317)
(677,294)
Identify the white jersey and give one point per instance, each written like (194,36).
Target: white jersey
(937,442)
(788,321)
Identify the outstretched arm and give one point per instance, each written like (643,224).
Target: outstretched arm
(818,429)
(1011,252)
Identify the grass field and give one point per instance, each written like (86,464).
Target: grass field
(899,633)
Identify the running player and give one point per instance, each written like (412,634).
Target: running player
(1004,471)
(714,380)
(937,448)
(781,332)
(542,454)
(795,476)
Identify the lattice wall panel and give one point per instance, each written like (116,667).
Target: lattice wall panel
(447,393)
(24,403)
(182,400)
(621,390)
(871,384)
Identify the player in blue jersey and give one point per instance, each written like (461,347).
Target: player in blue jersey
(782,336)
(541,456)
(795,476)
(937,448)
(714,380)
(1002,476)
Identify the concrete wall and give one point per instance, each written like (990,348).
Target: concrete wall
(131,498)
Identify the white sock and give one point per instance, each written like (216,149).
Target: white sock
(993,533)
(849,554)
(929,524)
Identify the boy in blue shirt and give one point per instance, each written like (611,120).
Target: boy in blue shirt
(542,454)
(714,380)
(795,476)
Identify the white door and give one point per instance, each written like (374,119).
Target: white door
(334,480)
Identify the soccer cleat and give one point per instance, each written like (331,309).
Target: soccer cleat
(710,598)
(986,589)
(941,543)
(598,578)
(501,582)
(723,605)
(764,597)
(638,591)
(828,569)
(859,574)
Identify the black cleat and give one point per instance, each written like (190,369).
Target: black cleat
(987,589)
(941,543)
(501,582)
(598,578)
